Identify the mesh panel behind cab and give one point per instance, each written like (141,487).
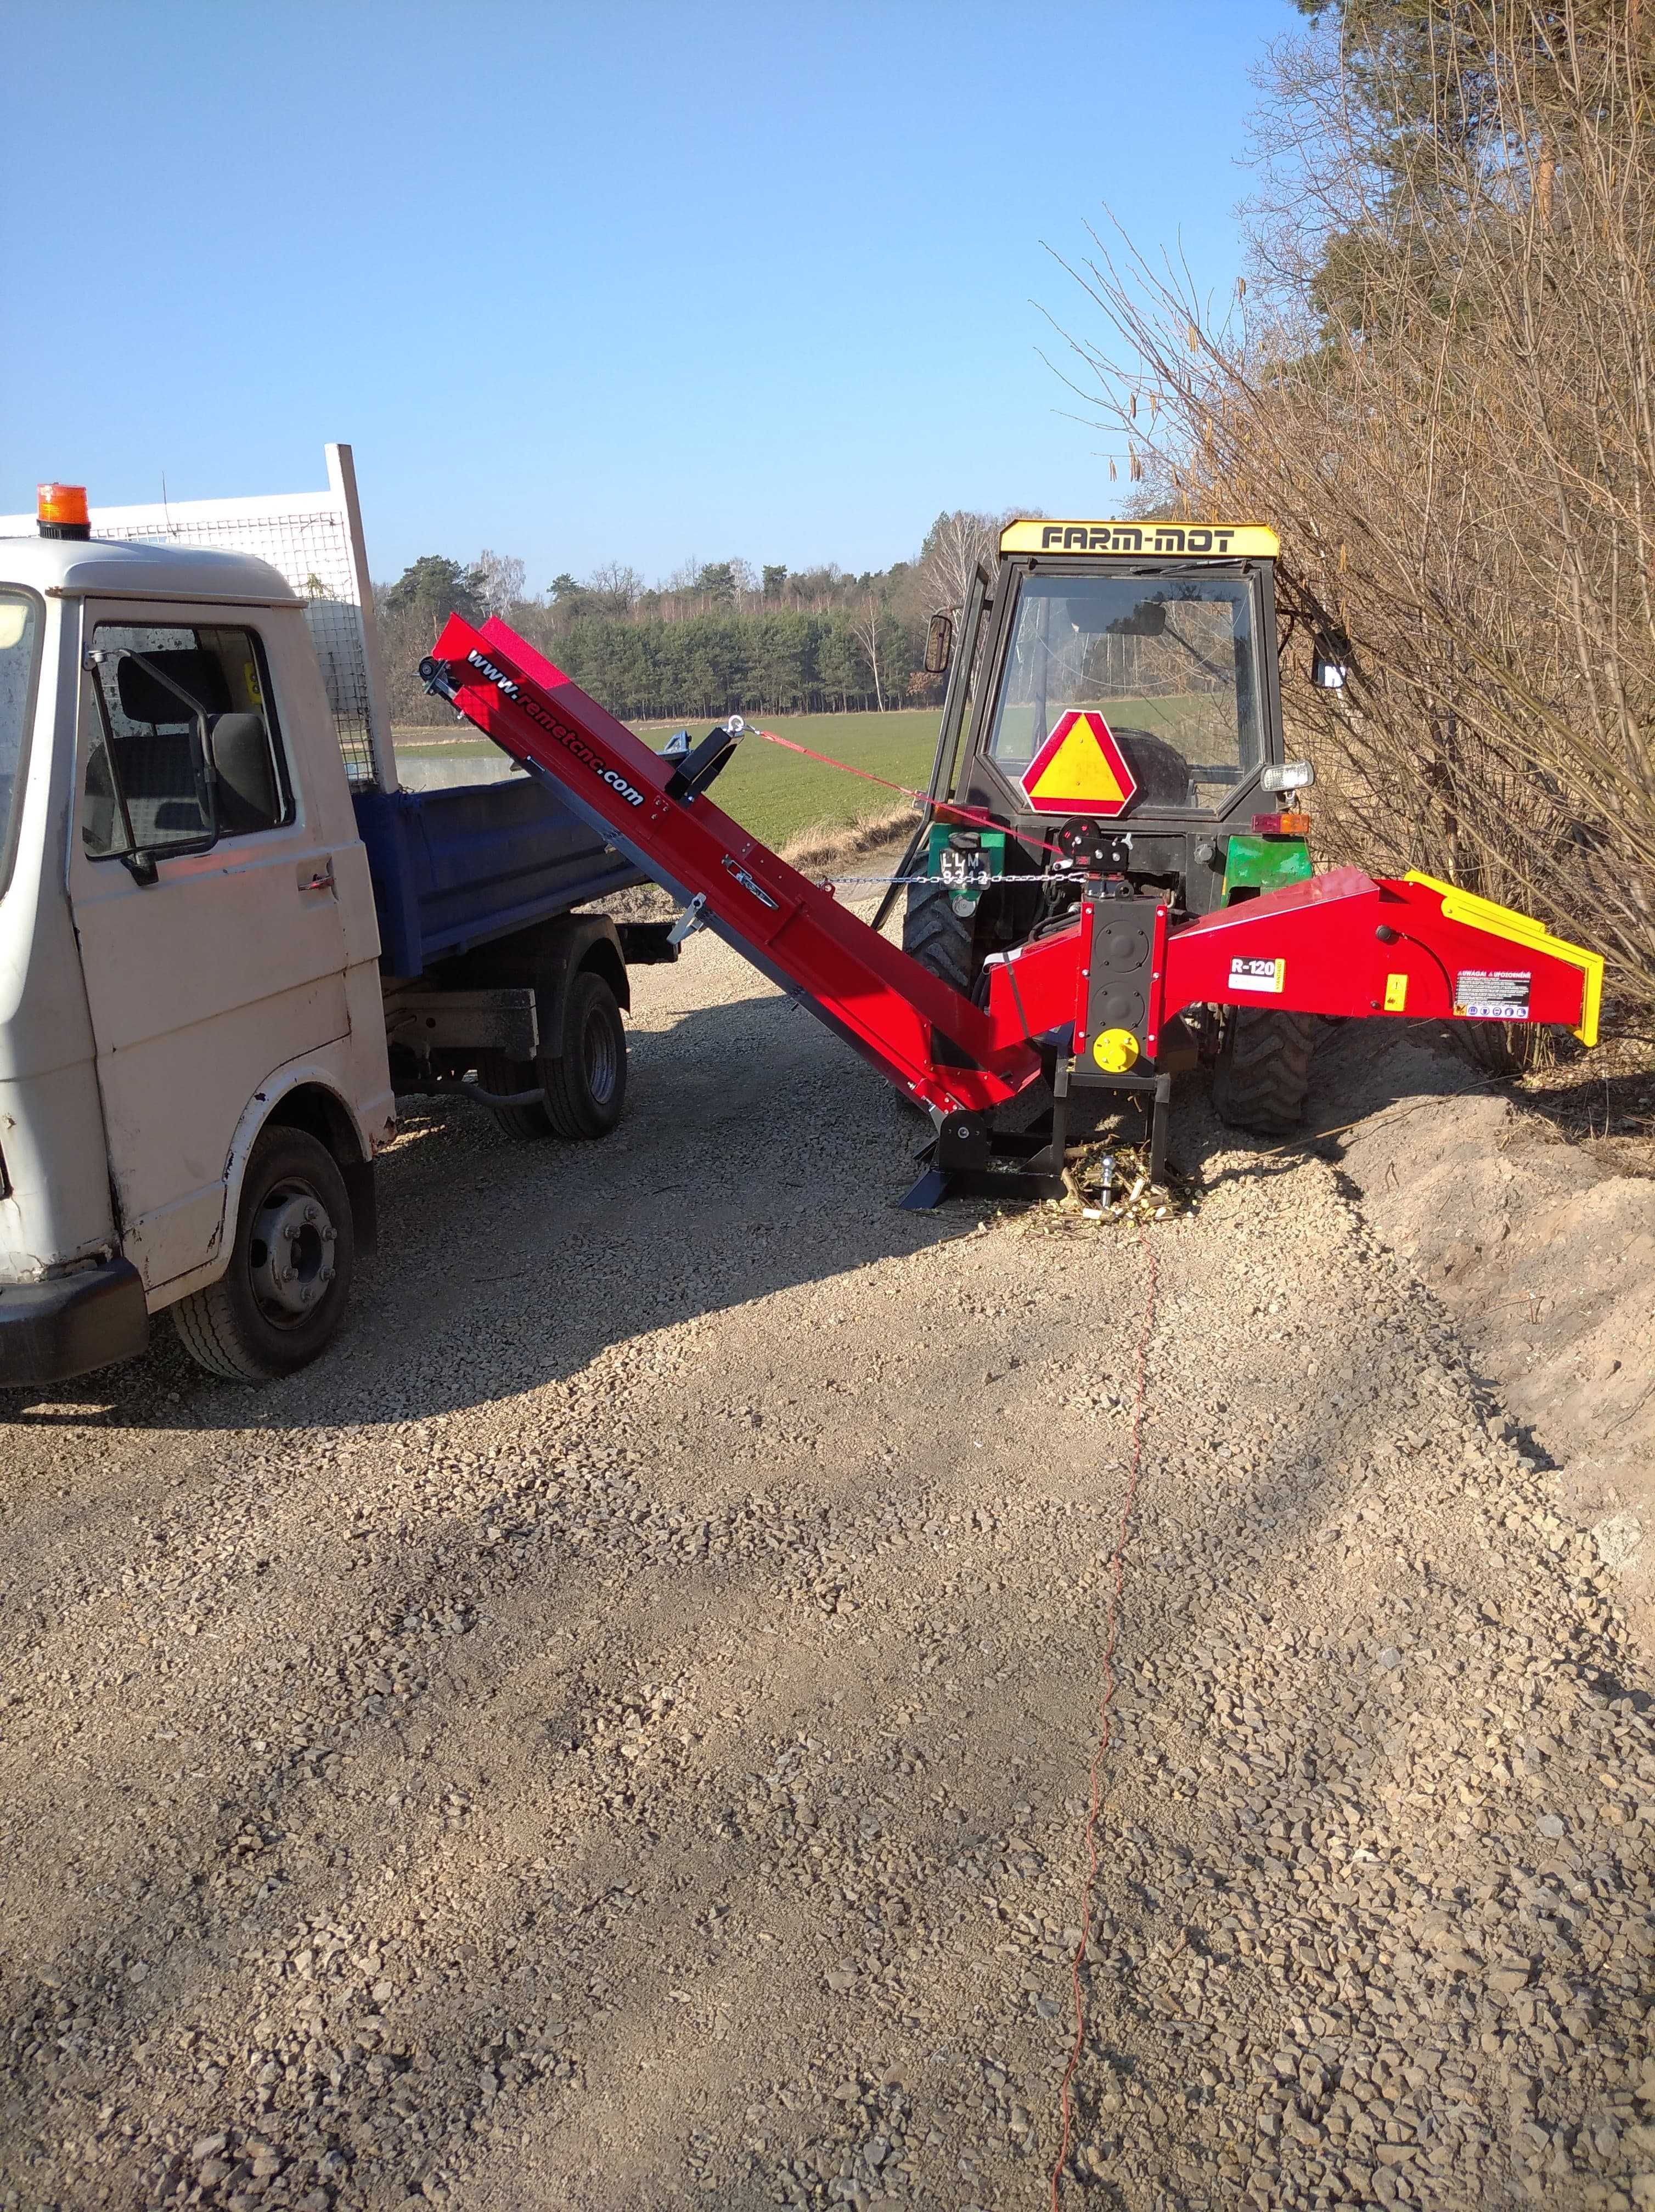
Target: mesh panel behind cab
(313,552)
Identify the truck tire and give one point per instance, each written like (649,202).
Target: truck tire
(285,1291)
(1264,1069)
(937,937)
(585,1084)
(524,1124)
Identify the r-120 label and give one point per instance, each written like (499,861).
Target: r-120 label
(1258,974)
(1483,995)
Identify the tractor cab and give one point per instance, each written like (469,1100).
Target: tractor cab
(1118,693)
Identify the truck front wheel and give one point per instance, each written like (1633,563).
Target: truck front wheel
(282,1296)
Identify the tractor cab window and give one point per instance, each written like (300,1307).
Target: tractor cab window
(1169,663)
(186,750)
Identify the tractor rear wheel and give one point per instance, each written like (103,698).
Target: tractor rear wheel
(1264,1069)
(937,937)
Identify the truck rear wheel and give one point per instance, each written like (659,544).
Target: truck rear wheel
(585,1084)
(1264,1069)
(937,937)
(525,1124)
(285,1291)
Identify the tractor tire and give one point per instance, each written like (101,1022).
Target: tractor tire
(585,1084)
(1264,1069)
(284,1294)
(937,937)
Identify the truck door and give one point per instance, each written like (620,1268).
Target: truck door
(202,885)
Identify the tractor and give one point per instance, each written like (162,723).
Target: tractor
(1114,712)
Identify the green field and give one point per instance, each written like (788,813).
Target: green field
(778,794)
(775,793)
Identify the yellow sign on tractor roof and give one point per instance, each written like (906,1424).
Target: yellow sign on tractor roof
(1079,769)
(1227,541)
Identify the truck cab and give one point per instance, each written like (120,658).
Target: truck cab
(188,948)
(229,939)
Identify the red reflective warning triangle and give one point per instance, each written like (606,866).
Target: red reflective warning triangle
(1081,769)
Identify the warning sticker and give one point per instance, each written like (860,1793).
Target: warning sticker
(1079,769)
(1258,974)
(1485,995)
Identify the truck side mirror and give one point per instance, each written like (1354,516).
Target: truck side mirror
(939,644)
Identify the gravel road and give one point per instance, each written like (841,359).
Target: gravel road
(615,1733)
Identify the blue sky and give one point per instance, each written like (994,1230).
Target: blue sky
(635,281)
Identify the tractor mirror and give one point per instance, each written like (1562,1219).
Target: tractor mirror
(1147,619)
(1328,664)
(939,645)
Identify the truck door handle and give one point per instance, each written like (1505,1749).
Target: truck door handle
(316,876)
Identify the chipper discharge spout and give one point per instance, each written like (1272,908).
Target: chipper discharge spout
(1092,1001)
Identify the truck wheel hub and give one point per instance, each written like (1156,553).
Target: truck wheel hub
(600,1061)
(291,1253)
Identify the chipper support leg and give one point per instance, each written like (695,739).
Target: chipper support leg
(1160,1123)
(960,1158)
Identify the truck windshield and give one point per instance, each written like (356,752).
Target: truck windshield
(1167,660)
(19,644)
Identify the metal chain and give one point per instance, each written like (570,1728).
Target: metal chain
(977,883)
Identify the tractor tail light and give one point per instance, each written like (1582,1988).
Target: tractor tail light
(1281,825)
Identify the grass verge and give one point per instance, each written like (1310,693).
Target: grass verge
(779,795)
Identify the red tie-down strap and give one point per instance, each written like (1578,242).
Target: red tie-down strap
(929,1041)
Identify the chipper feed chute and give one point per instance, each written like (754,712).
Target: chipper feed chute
(1088,1003)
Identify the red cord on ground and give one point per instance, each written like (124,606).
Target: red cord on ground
(1105,1713)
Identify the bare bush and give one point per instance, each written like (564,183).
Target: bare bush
(1440,393)
(955,547)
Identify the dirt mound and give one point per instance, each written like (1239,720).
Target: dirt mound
(1542,1250)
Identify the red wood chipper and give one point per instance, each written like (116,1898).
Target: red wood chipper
(1097,899)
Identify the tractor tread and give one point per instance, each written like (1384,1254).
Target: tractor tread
(937,937)
(1264,1070)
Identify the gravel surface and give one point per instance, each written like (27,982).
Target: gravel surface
(615,1733)
(1542,1251)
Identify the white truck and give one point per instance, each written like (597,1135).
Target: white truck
(227,938)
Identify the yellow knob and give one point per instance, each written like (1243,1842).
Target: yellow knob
(1114,1050)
